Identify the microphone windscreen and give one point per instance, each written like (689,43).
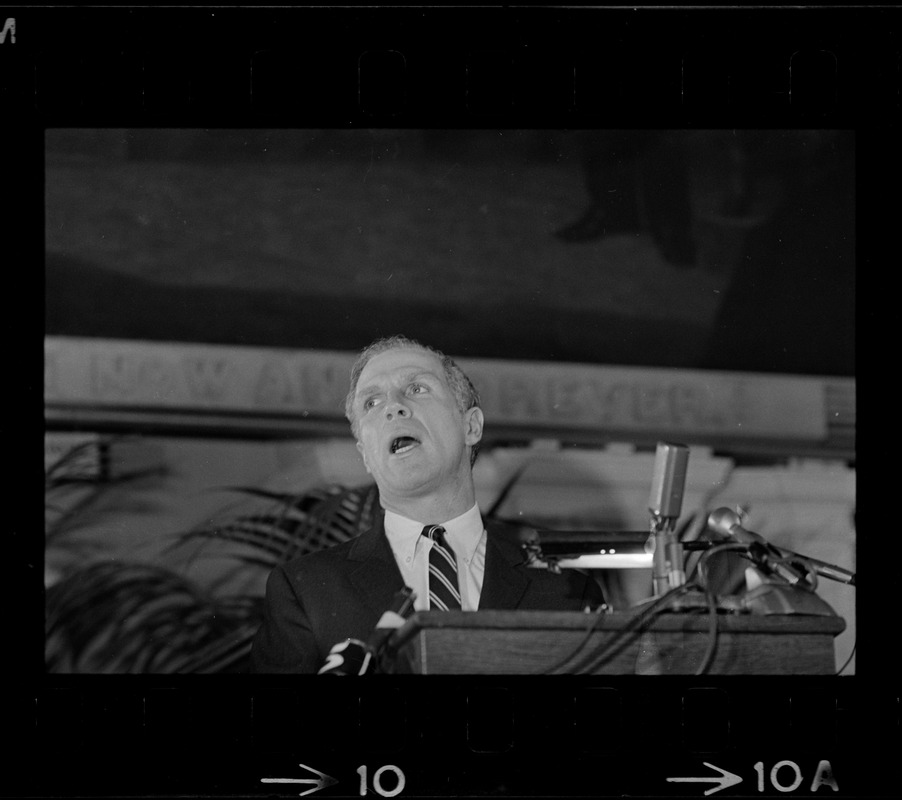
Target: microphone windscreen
(668,480)
(350,657)
(723,520)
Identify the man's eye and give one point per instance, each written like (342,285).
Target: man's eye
(416,388)
(368,404)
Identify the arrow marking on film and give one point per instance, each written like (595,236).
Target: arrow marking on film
(725,779)
(321,782)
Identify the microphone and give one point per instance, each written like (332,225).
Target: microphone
(354,657)
(392,618)
(668,480)
(665,501)
(726,523)
(350,657)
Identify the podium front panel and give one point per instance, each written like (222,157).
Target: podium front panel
(558,642)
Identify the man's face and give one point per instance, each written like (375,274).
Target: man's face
(413,437)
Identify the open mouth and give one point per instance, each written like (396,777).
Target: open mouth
(402,444)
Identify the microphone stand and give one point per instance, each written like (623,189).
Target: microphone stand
(779,581)
(667,555)
(665,502)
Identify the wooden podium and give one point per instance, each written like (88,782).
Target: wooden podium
(537,642)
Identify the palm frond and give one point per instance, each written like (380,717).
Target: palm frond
(262,535)
(294,524)
(116,617)
(223,654)
(63,466)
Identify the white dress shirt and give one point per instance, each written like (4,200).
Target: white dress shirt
(467,537)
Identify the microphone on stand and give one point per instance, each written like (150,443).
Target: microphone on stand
(354,657)
(664,504)
(350,657)
(393,618)
(785,563)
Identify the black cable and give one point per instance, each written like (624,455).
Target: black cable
(711,599)
(712,632)
(660,604)
(633,626)
(599,614)
(638,623)
(848,660)
(702,566)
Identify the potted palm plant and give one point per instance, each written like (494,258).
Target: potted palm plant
(108,615)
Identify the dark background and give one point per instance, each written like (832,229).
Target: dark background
(723,249)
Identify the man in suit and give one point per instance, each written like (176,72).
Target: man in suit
(418,424)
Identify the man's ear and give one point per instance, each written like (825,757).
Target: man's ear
(363,455)
(474,420)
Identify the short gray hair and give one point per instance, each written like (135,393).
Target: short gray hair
(465,392)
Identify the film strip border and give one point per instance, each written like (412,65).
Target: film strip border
(471,738)
(382,66)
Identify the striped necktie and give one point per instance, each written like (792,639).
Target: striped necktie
(444,593)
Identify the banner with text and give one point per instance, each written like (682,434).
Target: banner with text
(101,373)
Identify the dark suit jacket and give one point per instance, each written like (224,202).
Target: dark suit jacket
(323,598)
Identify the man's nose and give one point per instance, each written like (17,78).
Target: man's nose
(396,408)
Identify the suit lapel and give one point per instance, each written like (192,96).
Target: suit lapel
(503,584)
(373,570)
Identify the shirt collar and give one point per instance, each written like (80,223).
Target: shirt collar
(463,532)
